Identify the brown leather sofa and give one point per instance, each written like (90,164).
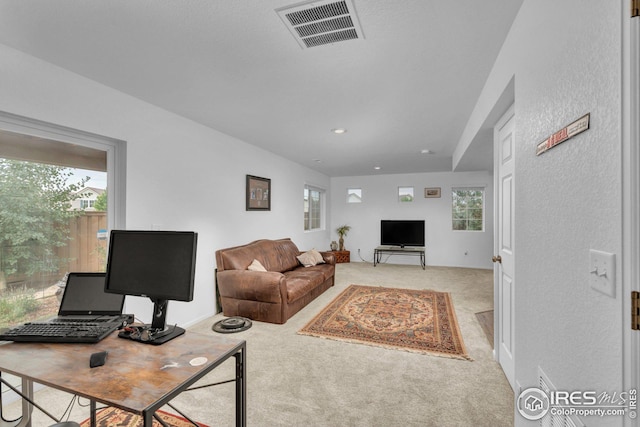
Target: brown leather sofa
(276,294)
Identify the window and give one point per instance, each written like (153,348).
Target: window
(87,204)
(44,236)
(313,208)
(354,195)
(468,209)
(405,194)
(42,187)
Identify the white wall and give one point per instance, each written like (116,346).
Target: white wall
(566,59)
(180,175)
(444,247)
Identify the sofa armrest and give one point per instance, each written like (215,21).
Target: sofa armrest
(264,286)
(329,257)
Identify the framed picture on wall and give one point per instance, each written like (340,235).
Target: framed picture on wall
(258,193)
(431,193)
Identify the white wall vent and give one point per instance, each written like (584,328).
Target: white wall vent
(316,23)
(555,419)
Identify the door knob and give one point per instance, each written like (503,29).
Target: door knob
(497,259)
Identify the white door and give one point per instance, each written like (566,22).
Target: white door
(504,151)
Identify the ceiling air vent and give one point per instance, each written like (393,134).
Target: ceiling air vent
(321,22)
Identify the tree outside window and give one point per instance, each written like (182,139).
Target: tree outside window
(36,215)
(468,209)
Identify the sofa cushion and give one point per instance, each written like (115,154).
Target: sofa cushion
(275,255)
(301,281)
(327,270)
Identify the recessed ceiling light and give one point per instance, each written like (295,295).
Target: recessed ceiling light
(377,168)
(425,151)
(317,160)
(339,130)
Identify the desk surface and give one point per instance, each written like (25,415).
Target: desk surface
(135,377)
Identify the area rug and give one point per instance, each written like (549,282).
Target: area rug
(420,321)
(114,417)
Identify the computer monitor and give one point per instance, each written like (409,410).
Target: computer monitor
(159,265)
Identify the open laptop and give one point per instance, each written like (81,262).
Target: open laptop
(87,314)
(84,299)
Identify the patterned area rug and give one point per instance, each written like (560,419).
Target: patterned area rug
(419,321)
(114,417)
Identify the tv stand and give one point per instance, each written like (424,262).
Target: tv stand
(399,250)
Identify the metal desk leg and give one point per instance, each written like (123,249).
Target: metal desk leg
(147,418)
(92,410)
(27,407)
(241,387)
(422,260)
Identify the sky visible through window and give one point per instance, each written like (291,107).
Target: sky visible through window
(97,179)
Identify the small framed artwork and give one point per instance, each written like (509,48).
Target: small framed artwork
(258,193)
(432,193)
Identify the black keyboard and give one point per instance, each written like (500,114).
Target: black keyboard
(89,332)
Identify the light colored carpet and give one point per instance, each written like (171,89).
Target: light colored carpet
(296,380)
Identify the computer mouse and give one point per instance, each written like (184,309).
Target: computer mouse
(98,359)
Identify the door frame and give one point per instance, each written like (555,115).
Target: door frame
(630,196)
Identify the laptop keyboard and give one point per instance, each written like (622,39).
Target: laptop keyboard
(81,332)
(97,320)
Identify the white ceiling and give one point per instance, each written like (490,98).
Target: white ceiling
(409,85)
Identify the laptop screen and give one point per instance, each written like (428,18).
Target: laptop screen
(84,295)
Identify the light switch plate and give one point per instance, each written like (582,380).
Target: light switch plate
(602,272)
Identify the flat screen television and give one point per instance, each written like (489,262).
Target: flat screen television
(159,265)
(402,232)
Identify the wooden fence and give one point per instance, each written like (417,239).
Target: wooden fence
(84,252)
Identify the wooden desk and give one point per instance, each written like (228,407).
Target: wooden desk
(137,377)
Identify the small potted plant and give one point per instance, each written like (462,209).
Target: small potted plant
(342,231)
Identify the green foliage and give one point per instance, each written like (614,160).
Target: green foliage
(101,202)
(34,215)
(343,230)
(15,309)
(468,209)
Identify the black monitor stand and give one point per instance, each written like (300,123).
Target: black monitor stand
(158,332)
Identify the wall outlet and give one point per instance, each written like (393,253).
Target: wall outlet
(602,272)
